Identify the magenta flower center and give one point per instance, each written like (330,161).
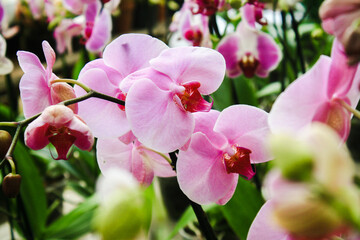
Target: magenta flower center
(121,96)
(239,162)
(62,139)
(88,29)
(191,99)
(248,64)
(195,36)
(207,7)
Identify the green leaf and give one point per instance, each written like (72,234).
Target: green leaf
(32,190)
(223,97)
(241,210)
(245,90)
(187,217)
(73,224)
(272,88)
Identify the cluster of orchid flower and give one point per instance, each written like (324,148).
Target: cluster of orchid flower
(146,103)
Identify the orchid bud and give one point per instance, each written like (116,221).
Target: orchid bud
(124,209)
(292,156)
(11,185)
(307,217)
(236,4)
(61,92)
(5,142)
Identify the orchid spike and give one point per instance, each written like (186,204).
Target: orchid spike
(60,126)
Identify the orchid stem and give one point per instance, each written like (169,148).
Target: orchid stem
(12,146)
(350,109)
(72,81)
(204,224)
(295,27)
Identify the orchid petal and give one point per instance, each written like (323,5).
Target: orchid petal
(112,153)
(155,119)
(238,120)
(228,47)
(104,118)
(34,92)
(84,138)
(50,58)
(192,64)
(263,226)
(296,106)
(269,54)
(341,75)
(131,52)
(101,32)
(141,169)
(201,173)
(29,61)
(35,135)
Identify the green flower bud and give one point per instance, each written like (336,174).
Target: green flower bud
(5,142)
(236,4)
(11,185)
(125,209)
(292,156)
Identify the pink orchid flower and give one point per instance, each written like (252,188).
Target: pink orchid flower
(317,96)
(160,99)
(223,148)
(134,157)
(205,7)
(95,26)
(36,90)
(61,127)
(123,56)
(65,31)
(195,29)
(338,15)
(252,12)
(249,51)
(36,7)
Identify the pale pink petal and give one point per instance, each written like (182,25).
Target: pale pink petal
(201,173)
(256,141)
(35,134)
(29,61)
(101,32)
(104,118)
(238,120)
(155,119)
(114,76)
(141,169)
(57,115)
(158,163)
(34,92)
(228,47)
(161,80)
(50,58)
(192,64)
(269,54)
(341,75)
(263,226)
(248,11)
(353,94)
(296,106)
(131,52)
(84,138)
(205,122)
(112,153)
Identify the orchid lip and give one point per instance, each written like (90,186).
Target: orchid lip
(239,162)
(248,65)
(191,100)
